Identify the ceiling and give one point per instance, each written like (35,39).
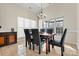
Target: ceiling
(34,7)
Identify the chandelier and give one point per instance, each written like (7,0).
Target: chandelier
(41,14)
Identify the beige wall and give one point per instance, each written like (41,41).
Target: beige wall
(78,25)
(9,14)
(69,13)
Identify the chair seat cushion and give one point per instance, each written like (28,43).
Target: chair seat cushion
(55,42)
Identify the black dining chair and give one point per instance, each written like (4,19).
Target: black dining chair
(36,38)
(42,30)
(28,37)
(59,43)
(50,31)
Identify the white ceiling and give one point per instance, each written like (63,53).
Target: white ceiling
(34,7)
(44,5)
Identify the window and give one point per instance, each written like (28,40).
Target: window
(27,24)
(33,24)
(41,23)
(59,25)
(20,27)
(49,24)
(24,23)
(56,24)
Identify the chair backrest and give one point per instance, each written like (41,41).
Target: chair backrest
(42,30)
(27,34)
(35,34)
(49,31)
(63,36)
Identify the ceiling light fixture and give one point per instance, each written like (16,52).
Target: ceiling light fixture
(41,14)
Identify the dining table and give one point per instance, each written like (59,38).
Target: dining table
(47,37)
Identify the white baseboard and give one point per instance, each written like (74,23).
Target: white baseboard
(73,45)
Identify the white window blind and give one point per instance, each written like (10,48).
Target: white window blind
(33,24)
(27,24)
(24,23)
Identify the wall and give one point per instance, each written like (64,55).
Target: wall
(69,13)
(78,26)
(9,14)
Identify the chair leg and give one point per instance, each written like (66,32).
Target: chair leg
(26,43)
(52,46)
(49,46)
(30,45)
(62,50)
(33,46)
(62,53)
(39,49)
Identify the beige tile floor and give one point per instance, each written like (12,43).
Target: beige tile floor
(19,49)
(69,51)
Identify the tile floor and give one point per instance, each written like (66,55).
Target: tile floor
(19,49)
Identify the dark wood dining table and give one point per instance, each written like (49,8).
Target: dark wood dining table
(47,37)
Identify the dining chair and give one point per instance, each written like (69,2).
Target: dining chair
(59,43)
(28,37)
(50,31)
(42,30)
(36,38)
